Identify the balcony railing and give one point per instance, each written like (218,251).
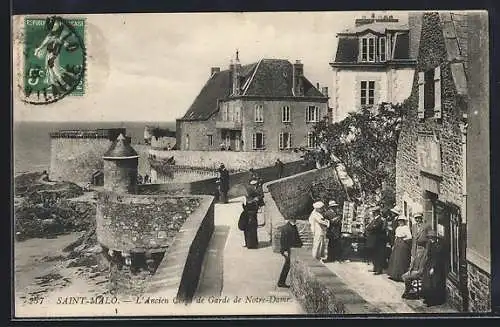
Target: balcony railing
(228,124)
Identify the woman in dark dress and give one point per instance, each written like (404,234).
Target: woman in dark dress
(434,275)
(252,207)
(401,251)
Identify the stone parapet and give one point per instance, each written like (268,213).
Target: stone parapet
(320,291)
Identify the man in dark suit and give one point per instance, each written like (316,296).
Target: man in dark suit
(376,240)
(290,238)
(334,232)
(224,182)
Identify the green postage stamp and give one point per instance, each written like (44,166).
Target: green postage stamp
(54,58)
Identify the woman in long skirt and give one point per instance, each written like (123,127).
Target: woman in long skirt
(252,208)
(401,251)
(434,275)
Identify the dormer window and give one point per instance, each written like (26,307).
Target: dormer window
(381,49)
(368,49)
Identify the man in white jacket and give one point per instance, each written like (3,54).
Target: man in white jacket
(319,226)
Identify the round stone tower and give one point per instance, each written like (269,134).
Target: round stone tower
(120,167)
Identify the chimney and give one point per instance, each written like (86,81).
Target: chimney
(324,90)
(298,82)
(214,70)
(236,74)
(317,86)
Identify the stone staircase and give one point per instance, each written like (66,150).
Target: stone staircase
(304,229)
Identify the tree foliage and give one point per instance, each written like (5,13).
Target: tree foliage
(365,142)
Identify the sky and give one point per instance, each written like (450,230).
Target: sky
(150,67)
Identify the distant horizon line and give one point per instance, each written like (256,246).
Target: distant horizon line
(95,121)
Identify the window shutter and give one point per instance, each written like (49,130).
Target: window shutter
(437,92)
(281,140)
(305,115)
(263,140)
(290,140)
(421,81)
(254,140)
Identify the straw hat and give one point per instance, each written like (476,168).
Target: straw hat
(332,203)
(418,214)
(396,210)
(318,205)
(401,217)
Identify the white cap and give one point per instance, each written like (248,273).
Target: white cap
(318,205)
(253,182)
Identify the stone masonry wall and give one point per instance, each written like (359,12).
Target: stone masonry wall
(75,159)
(290,197)
(432,52)
(198,132)
(120,175)
(232,160)
(479,284)
(126,222)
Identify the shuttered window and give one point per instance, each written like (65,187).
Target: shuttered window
(285,140)
(259,113)
(285,114)
(367,95)
(311,140)
(421,95)
(437,92)
(382,48)
(258,141)
(429,93)
(312,114)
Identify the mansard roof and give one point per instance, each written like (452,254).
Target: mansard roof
(269,78)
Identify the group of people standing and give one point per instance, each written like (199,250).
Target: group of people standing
(326,224)
(414,255)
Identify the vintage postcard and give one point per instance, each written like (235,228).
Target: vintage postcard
(279,163)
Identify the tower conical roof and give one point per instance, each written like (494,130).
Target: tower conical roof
(120,149)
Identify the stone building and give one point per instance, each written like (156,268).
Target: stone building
(76,155)
(431,156)
(268,105)
(373,64)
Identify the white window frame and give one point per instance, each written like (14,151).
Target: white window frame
(230,113)
(311,143)
(382,49)
(259,113)
(225,111)
(237,114)
(282,144)
(312,116)
(254,141)
(210,139)
(365,100)
(285,114)
(365,56)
